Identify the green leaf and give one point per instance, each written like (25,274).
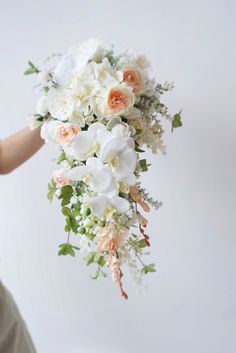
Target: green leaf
(71,251)
(66,190)
(148,268)
(139,150)
(64,249)
(95,275)
(31,69)
(61,158)
(176,122)
(89,258)
(143,165)
(52,189)
(141,243)
(98,274)
(75,212)
(66,200)
(101,261)
(66,211)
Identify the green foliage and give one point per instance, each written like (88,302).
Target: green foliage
(137,245)
(31,69)
(98,274)
(143,165)
(148,268)
(94,257)
(61,158)
(139,150)
(51,190)
(66,194)
(67,249)
(71,223)
(176,122)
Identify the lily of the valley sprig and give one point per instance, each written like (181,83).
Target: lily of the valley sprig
(103,111)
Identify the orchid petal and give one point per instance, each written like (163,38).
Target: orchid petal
(121,204)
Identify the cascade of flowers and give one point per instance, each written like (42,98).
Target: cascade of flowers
(103,111)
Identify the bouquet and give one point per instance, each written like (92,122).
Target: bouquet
(103,111)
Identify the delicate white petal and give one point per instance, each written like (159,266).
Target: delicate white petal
(101,179)
(129,179)
(98,204)
(110,149)
(94,162)
(79,172)
(82,145)
(42,106)
(63,70)
(94,128)
(127,162)
(121,204)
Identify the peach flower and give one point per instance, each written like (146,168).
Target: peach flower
(133,78)
(119,100)
(65,133)
(110,238)
(135,194)
(60,177)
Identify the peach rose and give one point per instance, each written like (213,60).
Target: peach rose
(60,177)
(110,238)
(119,100)
(65,133)
(133,78)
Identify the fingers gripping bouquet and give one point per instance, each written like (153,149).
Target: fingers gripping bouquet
(103,110)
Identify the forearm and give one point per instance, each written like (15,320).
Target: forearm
(19,147)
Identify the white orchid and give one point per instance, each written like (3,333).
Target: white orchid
(96,175)
(118,153)
(103,205)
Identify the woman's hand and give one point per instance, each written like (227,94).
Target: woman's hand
(19,147)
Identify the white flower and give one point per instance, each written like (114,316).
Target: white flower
(43,77)
(95,175)
(61,104)
(102,205)
(33,123)
(87,144)
(76,59)
(49,130)
(121,130)
(42,105)
(120,157)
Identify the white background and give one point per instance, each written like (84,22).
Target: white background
(190,306)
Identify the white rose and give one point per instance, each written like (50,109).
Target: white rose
(60,104)
(42,106)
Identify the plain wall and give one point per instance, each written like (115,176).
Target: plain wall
(190,306)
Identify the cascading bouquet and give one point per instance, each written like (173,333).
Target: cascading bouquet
(102,110)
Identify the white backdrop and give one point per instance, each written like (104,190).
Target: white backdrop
(190,306)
